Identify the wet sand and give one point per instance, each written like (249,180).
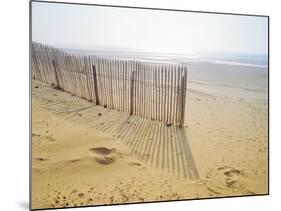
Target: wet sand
(88,155)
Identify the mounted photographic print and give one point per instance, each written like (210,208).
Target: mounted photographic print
(133,105)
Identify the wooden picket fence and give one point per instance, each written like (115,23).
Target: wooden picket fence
(150,90)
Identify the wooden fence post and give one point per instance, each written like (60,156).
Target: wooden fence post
(183,97)
(56,75)
(132,78)
(96,85)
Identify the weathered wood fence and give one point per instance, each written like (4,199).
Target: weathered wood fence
(155,91)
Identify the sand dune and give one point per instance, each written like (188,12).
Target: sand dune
(150,141)
(84,154)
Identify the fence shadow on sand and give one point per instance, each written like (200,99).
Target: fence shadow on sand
(162,146)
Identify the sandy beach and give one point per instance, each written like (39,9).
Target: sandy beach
(89,155)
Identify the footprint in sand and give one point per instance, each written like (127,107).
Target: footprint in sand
(102,150)
(232,172)
(224,179)
(232,177)
(103,155)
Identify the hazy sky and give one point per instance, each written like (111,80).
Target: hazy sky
(148,30)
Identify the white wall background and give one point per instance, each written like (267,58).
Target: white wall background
(14,104)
